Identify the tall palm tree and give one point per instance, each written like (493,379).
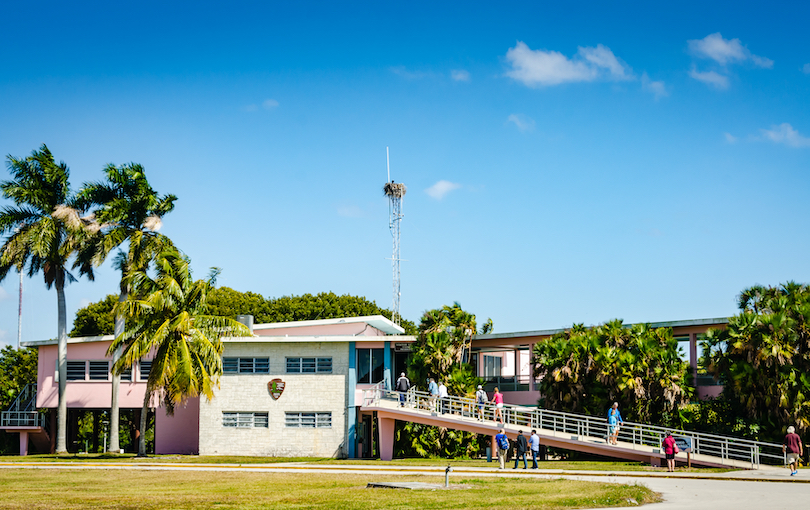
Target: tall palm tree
(43,239)
(167,317)
(128,210)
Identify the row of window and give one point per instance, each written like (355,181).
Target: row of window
(291,420)
(100,371)
(262,365)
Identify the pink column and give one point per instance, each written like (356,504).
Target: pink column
(386,428)
(23,442)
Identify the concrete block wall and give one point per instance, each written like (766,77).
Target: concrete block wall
(302,393)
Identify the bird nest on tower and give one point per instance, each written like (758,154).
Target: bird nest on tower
(394,189)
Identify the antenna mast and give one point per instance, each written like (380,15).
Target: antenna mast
(394,192)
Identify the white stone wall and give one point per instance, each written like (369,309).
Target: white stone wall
(302,393)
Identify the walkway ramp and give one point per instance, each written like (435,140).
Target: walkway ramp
(578,432)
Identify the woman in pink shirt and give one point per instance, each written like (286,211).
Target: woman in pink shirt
(670,449)
(497,399)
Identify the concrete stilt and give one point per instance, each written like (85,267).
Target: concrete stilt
(386,428)
(23,442)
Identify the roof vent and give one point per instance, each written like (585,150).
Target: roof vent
(247,320)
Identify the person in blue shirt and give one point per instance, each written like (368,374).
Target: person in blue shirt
(433,389)
(502,443)
(534,445)
(614,418)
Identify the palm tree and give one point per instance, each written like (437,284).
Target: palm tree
(128,210)
(43,240)
(167,318)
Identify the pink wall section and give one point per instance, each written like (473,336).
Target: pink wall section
(325,330)
(180,433)
(85,394)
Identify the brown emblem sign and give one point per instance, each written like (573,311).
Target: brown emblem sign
(276,388)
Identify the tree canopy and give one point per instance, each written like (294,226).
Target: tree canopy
(587,369)
(763,358)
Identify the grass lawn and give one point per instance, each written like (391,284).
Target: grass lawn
(64,489)
(195,459)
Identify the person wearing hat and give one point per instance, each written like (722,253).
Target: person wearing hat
(481,400)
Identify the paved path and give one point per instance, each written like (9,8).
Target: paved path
(737,490)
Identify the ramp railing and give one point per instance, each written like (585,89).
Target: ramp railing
(587,427)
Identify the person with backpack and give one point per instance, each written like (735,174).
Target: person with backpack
(502,442)
(481,400)
(670,449)
(403,385)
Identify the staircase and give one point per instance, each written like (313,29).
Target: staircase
(22,416)
(579,432)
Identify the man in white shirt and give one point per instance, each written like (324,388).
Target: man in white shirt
(443,396)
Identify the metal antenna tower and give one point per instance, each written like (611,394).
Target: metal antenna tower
(394,191)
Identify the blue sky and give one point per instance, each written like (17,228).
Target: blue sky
(564,162)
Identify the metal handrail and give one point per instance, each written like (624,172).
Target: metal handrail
(22,412)
(637,434)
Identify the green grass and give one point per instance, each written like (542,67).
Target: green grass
(68,489)
(195,459)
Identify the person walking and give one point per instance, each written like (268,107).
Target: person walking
(497,399)
(534,445)
(481,399)
(433,389)
(442,397)
(520,449)
(792,446)
(614,421)
(670,449)
(502,443)
(403,385)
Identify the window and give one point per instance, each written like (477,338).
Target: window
(145,367)
(308,420)
(99,370)
(244,420)
(370,367)
(246,365)
(309,365)
(126,375)
(492,366)
(76,370)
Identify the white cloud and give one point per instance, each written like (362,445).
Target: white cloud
(269,104)
(806,69)
(712,78)
(725,51)
(522,122)
(656,88)
(460,75)
(785,134)
(441,188)
(730,139)
(536,68)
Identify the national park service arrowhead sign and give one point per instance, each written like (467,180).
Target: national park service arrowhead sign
(276,388)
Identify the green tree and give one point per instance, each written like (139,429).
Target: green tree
(586,369)
(166,315)
(17,368)
(763,358)
(45,232)
(95,319)
(129,212)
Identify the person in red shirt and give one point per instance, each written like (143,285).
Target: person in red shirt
(792,446)
(670,449)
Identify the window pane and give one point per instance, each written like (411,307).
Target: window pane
(293,365)
(308,420)
(324,420)
(261,365)
(325,365)
(230,365)
(146,367)
(126,375)
(363,365)
(75,370)
(260,420)
(229,419)
(293,420)
(99,370)
(308,365)
(246,365)
(377,367)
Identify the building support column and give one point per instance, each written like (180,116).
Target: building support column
(693,356)
(532,385)
(23,443)
(386,429)
(388,366)
(351,410)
